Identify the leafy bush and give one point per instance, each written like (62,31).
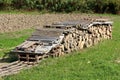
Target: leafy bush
(5,4)
(97,6)
(23,4)
(106,6)
(1,4)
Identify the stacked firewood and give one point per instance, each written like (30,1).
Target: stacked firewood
(76,39)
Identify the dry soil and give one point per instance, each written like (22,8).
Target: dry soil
(15,22)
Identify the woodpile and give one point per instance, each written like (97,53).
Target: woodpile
(64,37)
(78,38)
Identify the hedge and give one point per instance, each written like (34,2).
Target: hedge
(97,6)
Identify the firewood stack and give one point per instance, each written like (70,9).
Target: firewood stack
(64,37)
(80,37)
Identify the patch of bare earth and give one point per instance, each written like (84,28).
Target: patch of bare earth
(13,22)
(117,60)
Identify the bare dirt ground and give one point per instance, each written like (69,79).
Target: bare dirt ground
(13,22)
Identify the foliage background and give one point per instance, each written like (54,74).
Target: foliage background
(96,6)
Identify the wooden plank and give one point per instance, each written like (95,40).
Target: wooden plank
(28,44)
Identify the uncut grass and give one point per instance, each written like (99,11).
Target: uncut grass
(94,63)
(9,40)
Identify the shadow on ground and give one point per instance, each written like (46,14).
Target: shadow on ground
(8,57)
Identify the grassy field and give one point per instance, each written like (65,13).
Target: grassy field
(95,63)
(11,39)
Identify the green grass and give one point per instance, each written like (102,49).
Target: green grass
(11,39)
(94,63)
(34,12)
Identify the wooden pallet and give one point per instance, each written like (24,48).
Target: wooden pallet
(31,57)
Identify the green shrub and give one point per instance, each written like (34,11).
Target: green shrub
(2,4)
(106,6)
(97,6)
(5,4)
